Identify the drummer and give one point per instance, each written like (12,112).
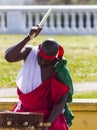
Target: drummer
(44,84)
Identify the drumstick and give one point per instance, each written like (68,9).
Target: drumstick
(45,17)
(42,21)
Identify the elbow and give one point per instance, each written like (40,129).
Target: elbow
(7,57)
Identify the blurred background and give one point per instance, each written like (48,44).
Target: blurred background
(48,2)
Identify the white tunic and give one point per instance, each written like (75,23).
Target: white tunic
(29,77)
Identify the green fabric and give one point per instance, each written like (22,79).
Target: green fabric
(68,114)
(62,71)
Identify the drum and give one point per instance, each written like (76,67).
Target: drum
(21,120)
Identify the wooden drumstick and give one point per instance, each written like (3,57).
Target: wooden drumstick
(45,17)
(42,21)
(45,124)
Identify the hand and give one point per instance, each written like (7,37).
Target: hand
(35,30)
(46,125)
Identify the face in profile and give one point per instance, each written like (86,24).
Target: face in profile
(49,48)
(43,62)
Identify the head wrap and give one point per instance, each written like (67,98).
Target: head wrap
(47,57)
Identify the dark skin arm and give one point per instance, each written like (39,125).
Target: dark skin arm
(19,51)
(58,108)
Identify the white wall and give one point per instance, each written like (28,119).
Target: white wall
(23,2)
(12,2)
(76,20)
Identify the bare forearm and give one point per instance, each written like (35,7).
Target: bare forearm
(57,109)
(55,113)
(14,52)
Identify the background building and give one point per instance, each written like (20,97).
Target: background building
(24,2)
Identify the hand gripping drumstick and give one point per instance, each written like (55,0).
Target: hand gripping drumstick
(42,21)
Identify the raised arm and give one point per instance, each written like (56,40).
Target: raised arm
(18,51)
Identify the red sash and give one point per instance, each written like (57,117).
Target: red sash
(43,98)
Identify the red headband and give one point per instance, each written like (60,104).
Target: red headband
(45,56)
(61,52)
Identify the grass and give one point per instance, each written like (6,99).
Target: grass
(85,95)
(80,51)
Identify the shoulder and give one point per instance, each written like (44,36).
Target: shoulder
(28,47)
(26,50)
(31,50)
(61,65)
(62,72)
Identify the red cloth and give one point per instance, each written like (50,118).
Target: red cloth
(43,99)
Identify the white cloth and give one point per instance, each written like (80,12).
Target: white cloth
(29,77)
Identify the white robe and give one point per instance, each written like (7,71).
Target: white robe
(29,77)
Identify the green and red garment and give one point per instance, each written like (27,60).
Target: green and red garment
(62,71)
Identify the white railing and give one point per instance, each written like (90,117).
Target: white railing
(62,20)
